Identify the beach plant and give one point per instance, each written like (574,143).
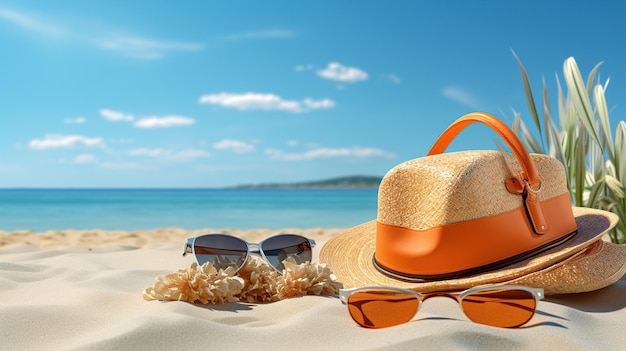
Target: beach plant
(581,137)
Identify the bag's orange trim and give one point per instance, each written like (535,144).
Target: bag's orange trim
(466,245)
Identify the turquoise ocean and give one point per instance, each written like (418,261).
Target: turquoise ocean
(135,209)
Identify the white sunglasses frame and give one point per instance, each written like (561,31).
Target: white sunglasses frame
(252,248)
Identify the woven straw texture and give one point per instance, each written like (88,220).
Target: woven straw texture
(459,186)
(599,265)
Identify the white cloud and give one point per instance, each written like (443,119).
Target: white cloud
(260,101)
(121,165)
(355,152)
(148,122)
(460,96)
(318,104)
(338,72)
(392,77)
(116,116)
(144,48)
(127,45)
(65,141)
(171,155)
(147,152)
(77,120)
(191,154)
(236,146)
(122,141)
(85,159)
(31,23)
(164,122)
(292,142)
(260,34)
(302,68)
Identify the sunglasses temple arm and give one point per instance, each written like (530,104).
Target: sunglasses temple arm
(343,296)
(188,247)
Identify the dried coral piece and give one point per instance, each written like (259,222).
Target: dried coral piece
(306,279)
(203,284)
(255,282)
(260,281)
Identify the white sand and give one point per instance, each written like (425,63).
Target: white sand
(83,291)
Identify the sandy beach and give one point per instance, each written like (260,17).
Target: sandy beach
(140,238)
(79,290)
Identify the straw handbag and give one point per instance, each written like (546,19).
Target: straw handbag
(450,221)
(458,214)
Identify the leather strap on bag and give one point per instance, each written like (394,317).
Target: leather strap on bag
(530,183)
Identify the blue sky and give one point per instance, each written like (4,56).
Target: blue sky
(212,94)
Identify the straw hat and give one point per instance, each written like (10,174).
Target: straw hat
(456,220)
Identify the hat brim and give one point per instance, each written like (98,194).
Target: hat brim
(588,263)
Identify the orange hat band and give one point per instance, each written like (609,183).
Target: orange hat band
(463,248)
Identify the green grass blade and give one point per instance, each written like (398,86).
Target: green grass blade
(554,140)
(596,161)
(618,234)
(610,169)
(515,126)
(579,167)
(620,152)
(603,116)
(592,77)
(594,195)
(615,186)
(530,140)
(547,114)
(580,98)
(562,106)
(530,100)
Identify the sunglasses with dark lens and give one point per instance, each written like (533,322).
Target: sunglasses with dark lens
(505,306)
(224,251)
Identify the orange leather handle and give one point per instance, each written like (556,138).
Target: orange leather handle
(530,173)
(530,176)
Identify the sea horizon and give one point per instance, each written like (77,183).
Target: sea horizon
(130,209)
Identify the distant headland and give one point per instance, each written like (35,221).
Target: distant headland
(352,182)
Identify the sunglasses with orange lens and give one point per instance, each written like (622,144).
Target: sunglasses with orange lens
(505,306)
